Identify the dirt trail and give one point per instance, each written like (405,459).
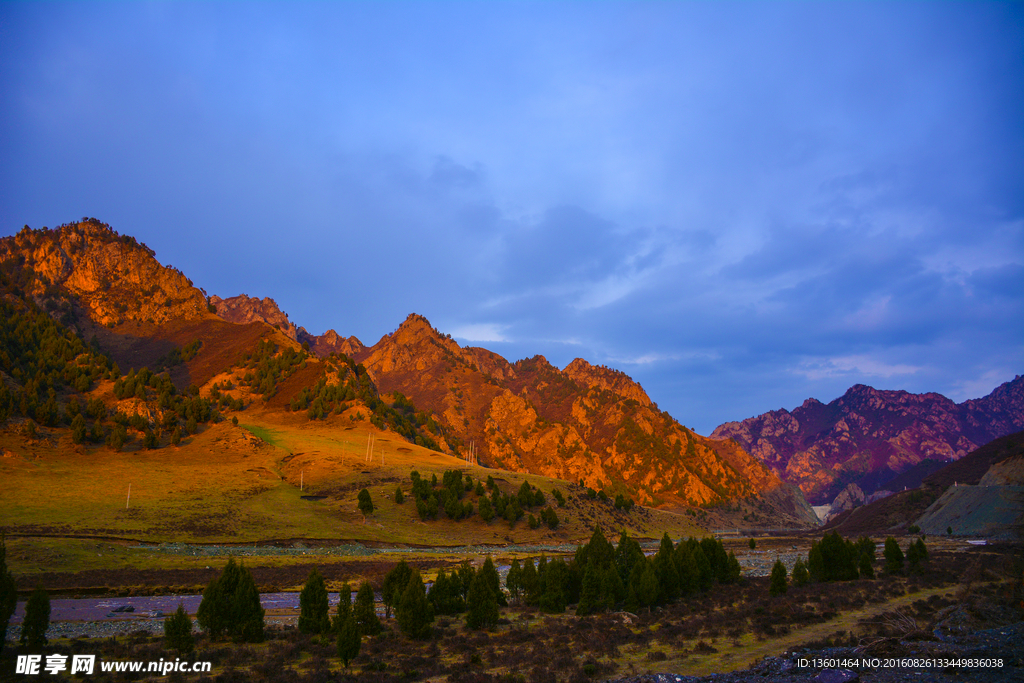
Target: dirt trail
(731,659)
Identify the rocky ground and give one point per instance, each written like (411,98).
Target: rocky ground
(985,656)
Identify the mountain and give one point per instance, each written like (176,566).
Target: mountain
(581,423)
(243,309)
(89,269)
(869,436)
(584,422)
(979,494)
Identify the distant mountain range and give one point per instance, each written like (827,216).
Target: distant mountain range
(582,423)
(869,437)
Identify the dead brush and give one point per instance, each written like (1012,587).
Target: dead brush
(895,627)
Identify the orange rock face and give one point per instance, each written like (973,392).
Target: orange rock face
(584,423)
(87,267)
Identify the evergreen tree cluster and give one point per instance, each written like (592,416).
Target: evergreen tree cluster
(601,576)
(182,413)
(44,357)
(477,593)
(231,606)
(835,558)
(354,384)
(917,555)
(265,367)
(431,498)
(177,356)
(404,592)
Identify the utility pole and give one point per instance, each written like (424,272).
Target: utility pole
(129,496)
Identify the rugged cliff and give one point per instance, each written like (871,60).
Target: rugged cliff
(869,436)
(88,268)
(582,423)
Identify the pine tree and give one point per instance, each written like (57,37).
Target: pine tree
(178,631)
(778,583)
(917,554)
(665,569)
(816,563)
(530,583)
(446,595)
(78,430)
(867,571)
(486,509)
(415,615)
(344,609)
(365,504)
(231,606)
(800,575)
(8,590)
(733,569)
(591,599)
(493,581)
(37,620)
(313,607)
(689,574)
(893,556)
(214,613)
(643,586)
(399,496)
(364,611)
(482,604)
(514,581)
(248,614)
(348,639)
(555,579)
(613,590)
(627,553)
(394,586)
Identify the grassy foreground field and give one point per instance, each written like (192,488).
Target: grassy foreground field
(272,479)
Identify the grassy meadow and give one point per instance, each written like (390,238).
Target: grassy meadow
(273,478)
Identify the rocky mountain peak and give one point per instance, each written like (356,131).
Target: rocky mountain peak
(587,375)
(870,436)
(244,309)
(331,342)
(88,267)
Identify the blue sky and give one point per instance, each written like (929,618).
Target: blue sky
(741,205)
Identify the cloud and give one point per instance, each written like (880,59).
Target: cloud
(857,366)
(480,332)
